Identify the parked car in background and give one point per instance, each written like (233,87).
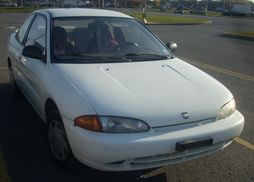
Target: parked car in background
(114,96)
(179,10)
(200,10)
(8,4)
(109,4)
(89,4)
(239,10)
(68,5)
(222,10)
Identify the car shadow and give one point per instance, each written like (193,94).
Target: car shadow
(23,142)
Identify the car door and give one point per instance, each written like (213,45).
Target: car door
(31,68)
(16,46)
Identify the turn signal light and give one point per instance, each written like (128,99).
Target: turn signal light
(89,122)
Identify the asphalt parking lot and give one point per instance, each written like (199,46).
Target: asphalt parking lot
(24,154)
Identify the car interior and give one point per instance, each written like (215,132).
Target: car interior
(95,38)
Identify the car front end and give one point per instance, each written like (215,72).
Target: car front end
(154,148)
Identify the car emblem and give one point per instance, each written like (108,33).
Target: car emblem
(185,115)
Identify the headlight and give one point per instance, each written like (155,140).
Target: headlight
(122,125)
(111,124)
(227,110)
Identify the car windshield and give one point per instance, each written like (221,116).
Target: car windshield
(104,39)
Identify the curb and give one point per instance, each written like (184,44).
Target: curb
(201,23)
(237,36)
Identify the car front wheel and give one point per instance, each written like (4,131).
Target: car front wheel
(14,87)
(58,142)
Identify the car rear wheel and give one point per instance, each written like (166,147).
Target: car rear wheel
(14,87)
(58,142)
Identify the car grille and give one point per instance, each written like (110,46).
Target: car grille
(182,126)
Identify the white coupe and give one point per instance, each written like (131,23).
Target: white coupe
(113,96)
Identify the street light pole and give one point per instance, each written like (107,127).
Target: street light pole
(144,11)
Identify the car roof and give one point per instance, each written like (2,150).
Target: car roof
(75,12)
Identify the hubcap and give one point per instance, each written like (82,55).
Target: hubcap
(57,140)
(11,79)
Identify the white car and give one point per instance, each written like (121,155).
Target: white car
(113,95)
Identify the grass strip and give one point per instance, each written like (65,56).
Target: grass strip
(168,19)
(18,10)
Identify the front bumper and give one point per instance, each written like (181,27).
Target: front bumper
(125,152)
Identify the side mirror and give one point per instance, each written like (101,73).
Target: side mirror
(33,52)
(172,46)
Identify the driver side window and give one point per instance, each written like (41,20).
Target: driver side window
(23,29)
(37,34)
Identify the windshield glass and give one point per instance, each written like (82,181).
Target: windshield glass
(104,39)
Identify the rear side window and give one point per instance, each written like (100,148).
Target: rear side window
(23,29)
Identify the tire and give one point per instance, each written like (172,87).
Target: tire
(13,85)
(58,142)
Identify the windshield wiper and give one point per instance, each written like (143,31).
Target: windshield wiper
(120,57)
(147,55)
(102,57)
(87,56)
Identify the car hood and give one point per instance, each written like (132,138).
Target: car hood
(157,92)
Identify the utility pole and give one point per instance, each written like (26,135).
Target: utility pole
(144,11)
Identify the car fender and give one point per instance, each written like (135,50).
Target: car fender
(70,102)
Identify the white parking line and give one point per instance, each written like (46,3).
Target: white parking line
(9,27)
(244,143)
(221,70)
